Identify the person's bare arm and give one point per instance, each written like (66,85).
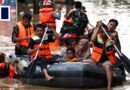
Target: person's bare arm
(95,32)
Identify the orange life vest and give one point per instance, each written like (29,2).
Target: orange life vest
(23,33)
(46,16)
(45,52)
(99,48)
(11,70)
(68,20)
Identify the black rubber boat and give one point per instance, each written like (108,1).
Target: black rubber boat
(73,75)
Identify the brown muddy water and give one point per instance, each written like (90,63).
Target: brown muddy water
(95,12)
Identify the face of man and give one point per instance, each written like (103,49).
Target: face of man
(26,22)
(39,31)
(111,26)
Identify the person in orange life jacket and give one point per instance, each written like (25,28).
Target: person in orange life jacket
(103,51)
(21,35)
(47,15)
(44,54)
(112,24)
(6,69)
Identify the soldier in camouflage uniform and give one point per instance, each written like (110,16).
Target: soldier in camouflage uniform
(79,19)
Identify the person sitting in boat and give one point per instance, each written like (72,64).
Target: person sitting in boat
(68,43)
(71,55)
(75,23)
(112,24)
(66,31)
(83,50)
(21,35)
(44,54)
(79,19)
(103,51)
(6,70)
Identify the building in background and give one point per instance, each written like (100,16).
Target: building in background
(7,25)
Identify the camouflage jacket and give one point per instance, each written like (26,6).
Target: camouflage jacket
(79,20)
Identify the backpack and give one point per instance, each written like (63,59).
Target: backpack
(79,21)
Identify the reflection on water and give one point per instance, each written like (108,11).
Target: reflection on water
(14,84)
(95,13)
(10,83)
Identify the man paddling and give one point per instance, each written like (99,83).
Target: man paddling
(44,54)
(103,51)
(112,24)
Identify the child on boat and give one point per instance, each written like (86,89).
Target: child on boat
(71,55)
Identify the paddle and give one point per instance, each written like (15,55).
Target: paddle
(34,62)
(124,59)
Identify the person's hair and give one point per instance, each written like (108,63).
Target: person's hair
(114,20)
(78,4)
(27,16)
(71,48)
(67,42)
(39,25)
(2,57)
(84,41)
(73,40)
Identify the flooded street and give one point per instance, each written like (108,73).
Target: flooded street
(95,12)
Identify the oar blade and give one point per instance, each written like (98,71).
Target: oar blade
(31,68)
(126,62)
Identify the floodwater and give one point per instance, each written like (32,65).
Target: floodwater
(95,12)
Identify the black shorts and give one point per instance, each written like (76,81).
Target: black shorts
(103,58)
(42,63)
